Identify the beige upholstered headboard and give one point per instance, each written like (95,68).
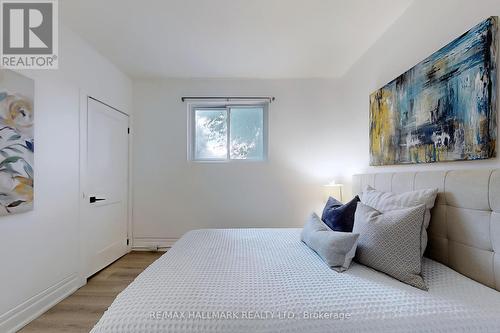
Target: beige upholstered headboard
(464,233)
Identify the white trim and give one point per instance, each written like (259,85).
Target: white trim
(146,244)
(130,203)
(18,317)
(82,259)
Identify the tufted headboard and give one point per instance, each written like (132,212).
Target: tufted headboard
(464,232)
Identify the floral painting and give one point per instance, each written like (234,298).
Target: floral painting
(16,143)
(442,109)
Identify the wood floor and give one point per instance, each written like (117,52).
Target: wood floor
(81,310)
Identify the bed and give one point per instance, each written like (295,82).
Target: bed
(267,280)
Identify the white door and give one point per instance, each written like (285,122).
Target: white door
(104,185)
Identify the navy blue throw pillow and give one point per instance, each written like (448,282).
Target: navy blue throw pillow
(340,217)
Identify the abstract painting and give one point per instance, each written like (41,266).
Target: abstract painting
(442,109)
(16,143)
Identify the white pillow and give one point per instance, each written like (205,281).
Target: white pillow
(335,248)
(387,201)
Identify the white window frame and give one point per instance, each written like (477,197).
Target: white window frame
(192,107)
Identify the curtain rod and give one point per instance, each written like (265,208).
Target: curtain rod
(228,99)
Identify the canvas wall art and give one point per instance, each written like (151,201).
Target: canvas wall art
(444,108)
(16,143)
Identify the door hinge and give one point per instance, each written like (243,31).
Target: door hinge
(128,241)
(128,130)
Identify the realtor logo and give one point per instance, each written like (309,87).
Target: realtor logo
(29,34)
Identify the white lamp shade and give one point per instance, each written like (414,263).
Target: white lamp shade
(334,191)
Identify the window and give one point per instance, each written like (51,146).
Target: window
(228,132)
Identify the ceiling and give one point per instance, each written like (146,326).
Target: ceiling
(231,38)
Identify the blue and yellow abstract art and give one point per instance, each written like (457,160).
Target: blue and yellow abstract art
(444,108)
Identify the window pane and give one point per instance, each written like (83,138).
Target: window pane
(247,126)
(211,134)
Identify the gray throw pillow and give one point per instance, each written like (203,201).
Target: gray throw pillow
(390,242)
(386,201)
(336,248)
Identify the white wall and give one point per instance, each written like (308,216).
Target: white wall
(425,27)
(318,131)
(39,249)
(173,195)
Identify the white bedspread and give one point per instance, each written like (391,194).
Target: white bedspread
(250,280)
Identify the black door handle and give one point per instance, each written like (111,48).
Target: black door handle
(94,199)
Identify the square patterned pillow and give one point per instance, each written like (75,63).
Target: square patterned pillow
(339,217)
(387,201)
(390,242)
(335,248)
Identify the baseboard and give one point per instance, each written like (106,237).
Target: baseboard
(146,244)
(15,319)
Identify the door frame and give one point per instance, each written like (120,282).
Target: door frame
(83,130)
